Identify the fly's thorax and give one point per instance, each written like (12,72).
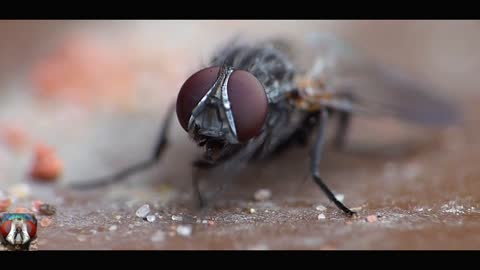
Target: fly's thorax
(311,94)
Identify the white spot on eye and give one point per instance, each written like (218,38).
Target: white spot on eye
(226,105)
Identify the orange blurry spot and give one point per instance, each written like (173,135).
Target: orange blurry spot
(14,137)
(5,204)
(46,165)
(45,222)
(84,70)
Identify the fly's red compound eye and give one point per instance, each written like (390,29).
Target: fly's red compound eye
(32,229)
(246,95)
(192,91)
(249,104)
(5,228)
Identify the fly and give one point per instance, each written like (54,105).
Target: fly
(255,99)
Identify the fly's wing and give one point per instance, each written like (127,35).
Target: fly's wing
(375,88)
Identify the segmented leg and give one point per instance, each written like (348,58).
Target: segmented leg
(316,155)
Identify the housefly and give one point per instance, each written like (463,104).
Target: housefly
(253,99)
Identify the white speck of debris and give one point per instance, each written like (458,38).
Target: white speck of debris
(143,211)
(340,197)
(321,216)
(320,208)
(429,209)
(358,208)
(184,230)
(113,228)
(93,231)
(118,217)
(177,218)
(252,211)
(371,218)
(150,218)
(453,208)
(420,209)
(81,238)
(262,195)
(158,236)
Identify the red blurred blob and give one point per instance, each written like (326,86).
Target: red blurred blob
(46,165)
(5,228)
(31,229)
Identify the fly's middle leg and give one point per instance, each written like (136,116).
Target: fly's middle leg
(316,155)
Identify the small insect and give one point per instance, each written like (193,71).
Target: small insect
(254,99)
(17,231)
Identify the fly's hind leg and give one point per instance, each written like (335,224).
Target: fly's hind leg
(316,155)
(123,174)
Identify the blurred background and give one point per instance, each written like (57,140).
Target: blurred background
(92,94)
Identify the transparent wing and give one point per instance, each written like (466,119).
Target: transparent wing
(375,88)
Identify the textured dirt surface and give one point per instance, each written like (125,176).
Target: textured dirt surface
(420,184)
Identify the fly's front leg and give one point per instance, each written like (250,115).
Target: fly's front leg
(316,155)
(198,166)
(123,174)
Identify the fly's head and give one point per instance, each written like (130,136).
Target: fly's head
(18,229)
(220,107)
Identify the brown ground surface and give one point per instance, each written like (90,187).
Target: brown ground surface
(423,184)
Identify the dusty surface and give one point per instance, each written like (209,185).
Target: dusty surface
(422,185)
